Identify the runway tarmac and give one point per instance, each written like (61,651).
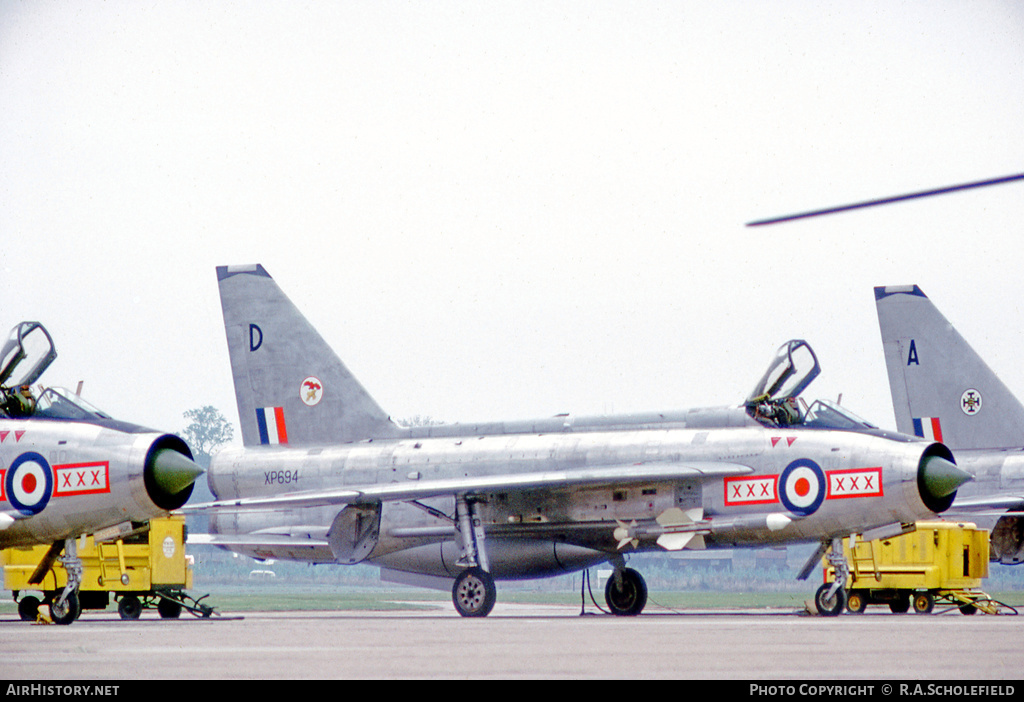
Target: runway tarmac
(518,641)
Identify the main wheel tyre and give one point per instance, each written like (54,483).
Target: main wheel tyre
(474,593)
(829,606)
(129,607)
(923,602)
(629,598)
(67,612)
(856,602)
(28,608)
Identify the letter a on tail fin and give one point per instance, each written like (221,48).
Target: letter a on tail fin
(290,386)
(941,389)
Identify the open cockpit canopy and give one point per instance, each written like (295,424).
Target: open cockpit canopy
(775,401)
(26,354)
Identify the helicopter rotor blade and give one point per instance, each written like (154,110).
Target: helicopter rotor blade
(887,200)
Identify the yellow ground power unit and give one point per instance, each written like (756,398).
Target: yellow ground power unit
(939,562)
(147,567)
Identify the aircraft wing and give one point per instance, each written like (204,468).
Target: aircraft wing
(420,489)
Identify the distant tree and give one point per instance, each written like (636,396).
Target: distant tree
(207,430)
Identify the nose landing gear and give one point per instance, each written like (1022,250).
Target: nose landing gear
(830,599)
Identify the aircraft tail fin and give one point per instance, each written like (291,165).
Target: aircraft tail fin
(290,385)
(941,389)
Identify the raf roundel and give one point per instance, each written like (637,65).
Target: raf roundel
(29,483)
(802,487)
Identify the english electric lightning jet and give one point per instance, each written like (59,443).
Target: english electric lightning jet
(942,389)
(67,469)
(325,476)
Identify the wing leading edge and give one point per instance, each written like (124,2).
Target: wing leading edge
(414,490)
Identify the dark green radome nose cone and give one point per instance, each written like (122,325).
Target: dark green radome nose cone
(940,478)
(172,471)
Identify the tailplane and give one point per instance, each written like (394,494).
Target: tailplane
(290,386)
(941,389)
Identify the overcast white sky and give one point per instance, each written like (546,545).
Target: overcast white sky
(507,210)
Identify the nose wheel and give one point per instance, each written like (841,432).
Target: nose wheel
(66,607)
(830,600)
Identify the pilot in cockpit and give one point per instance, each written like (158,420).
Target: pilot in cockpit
(784,413)
(23,357)
(17,403)
(789,411)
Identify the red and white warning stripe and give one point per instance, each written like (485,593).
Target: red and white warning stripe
(760,490)
(82,478)
(855,482)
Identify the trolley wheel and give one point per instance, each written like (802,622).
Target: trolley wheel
(168,609)
(829,606)
(968,609)
(629,599)
(856,602)
(129,607)
(68,612)
(28,608)
(923,602)
(901,604)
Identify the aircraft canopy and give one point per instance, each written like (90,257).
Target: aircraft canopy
(25,355)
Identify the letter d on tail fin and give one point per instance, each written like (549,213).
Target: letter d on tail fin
(289,384)
(941,389)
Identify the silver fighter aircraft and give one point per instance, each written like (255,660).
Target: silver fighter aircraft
(325,476)
(67,469)
(942,390)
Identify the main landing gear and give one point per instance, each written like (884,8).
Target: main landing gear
(474,593)
(626,591)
